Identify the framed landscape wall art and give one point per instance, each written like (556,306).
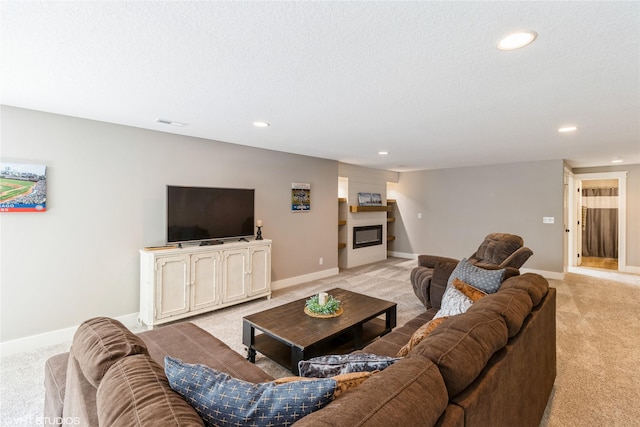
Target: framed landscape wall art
(300,197)
(23,187)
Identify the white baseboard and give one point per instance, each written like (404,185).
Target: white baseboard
(556,275)
(632,269)
(46,339)
(402,255)
(292,281)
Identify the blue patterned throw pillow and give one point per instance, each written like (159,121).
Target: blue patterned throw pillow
(455,302)
(488,281)
(221,399)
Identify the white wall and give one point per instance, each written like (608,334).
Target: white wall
(461,206)
(106,189)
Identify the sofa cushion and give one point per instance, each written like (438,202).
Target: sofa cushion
(136,392)
(389,344)
(335,364)
(411,389)
(221,399)
(421,333)
(514,305)
(462,345)
(99,343)
(536,285)
(497,247)
(192,344)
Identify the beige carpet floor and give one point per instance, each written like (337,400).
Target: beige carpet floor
(598,342)
(598,352)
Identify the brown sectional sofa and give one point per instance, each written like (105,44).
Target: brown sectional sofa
(494,365)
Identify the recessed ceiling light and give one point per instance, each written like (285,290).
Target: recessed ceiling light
(617,160)
(171,122)
(568,129)
(516,40)
(383,153)
(261,124)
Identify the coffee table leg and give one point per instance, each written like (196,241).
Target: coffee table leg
(248,339)
(297,355)
(357,337)
(391,318)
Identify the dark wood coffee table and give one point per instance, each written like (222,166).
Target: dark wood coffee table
(288,335)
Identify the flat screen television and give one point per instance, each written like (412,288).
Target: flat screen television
(206,213)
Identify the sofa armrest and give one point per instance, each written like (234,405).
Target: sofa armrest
(430,261)
(420,278)
(55,378)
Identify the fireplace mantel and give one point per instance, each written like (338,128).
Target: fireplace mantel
(353,208)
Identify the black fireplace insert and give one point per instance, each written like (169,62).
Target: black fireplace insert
(369,235)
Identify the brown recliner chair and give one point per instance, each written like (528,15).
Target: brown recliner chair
(499,250)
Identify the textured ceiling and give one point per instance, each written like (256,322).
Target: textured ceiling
(342,80)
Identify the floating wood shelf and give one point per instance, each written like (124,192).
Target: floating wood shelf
(342,199)
(342,245)
(391,219)
(369,208)
(389,201)
(342,222)
(390,238)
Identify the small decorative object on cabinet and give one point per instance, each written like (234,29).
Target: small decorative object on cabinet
(259,227)
(180,282)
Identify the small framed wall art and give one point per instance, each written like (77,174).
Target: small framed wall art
(23,187)
(300,197)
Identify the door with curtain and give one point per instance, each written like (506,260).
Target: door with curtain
(600,222)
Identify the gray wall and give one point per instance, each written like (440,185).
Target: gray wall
(106,200)
(461,206)
(633,207)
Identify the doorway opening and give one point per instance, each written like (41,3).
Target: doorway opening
(597,224)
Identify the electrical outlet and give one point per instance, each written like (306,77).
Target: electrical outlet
(548,220)
(420,216)
(321,261)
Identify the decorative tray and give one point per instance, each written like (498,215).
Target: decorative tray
(323,316)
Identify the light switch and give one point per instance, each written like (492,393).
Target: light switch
(548,220)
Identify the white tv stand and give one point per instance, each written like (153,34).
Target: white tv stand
(180,282)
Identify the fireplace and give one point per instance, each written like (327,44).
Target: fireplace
(369,235)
